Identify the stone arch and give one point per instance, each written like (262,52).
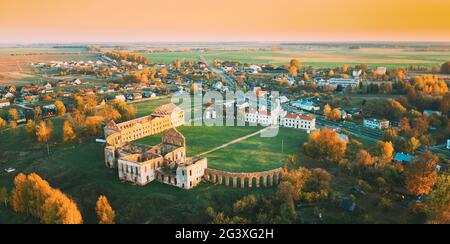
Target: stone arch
(242,180)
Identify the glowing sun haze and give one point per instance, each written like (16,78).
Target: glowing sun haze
(229,20)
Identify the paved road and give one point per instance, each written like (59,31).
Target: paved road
(220,72)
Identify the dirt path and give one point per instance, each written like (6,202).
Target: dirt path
(232,142)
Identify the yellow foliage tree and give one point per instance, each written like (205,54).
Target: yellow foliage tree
(33,195)
(3,123)
(13,114)
(105,213)
(60,108)
(44,132)
(68,133)
(293,71)
(386,152)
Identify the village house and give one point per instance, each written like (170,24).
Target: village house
(265,117)
(403,158)
(4,103)
(373,123)
(342,82)
(299,121)
(429,112)
(306,105)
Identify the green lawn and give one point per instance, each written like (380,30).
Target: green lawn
(254,154)
(200,139)
(258,153)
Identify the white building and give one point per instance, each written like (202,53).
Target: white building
(376,124)
(121,98)
(335,82)
(357,73)
(254,69)
(4,103)
(299,121)
(306,105)
(264,117)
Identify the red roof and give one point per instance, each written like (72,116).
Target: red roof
(299,116)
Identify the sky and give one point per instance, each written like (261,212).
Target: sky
(59,21)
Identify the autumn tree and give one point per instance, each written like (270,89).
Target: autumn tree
(163,72)
(295,63)
(44,133)
(30,128)
(364,159)
(389,134)
(92,125)
(292,182)
(13,114)
(421,175)
(335,115)
(4,196)
(60,209)
(127,111)
(306,76)
(293,71)
(438,201)
(386,152)
(104,211)
(327,110)
(68,133)
(331,73)
(3,123)
(60,108)
(326,145)
(445,104)
(110,113)
(33,195)
(412,145)
(430,84)
(445,68)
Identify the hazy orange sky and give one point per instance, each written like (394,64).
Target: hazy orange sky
(226,20)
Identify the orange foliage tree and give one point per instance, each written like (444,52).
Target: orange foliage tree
(105,213)
(33,195)
(325,145)
(421,175)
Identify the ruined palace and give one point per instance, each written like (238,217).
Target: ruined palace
(166,162)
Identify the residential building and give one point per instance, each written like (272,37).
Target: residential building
(306,105)
(428,112)
(298,121)
(376,124)
(403,158)
(335,82)
(4,103)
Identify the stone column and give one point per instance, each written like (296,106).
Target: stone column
(220,179)
(234,182)
(227,181)
(243,182)
(250,182)
(214,179)
(271,180)
(207,177)
(258,179)
(265,181)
